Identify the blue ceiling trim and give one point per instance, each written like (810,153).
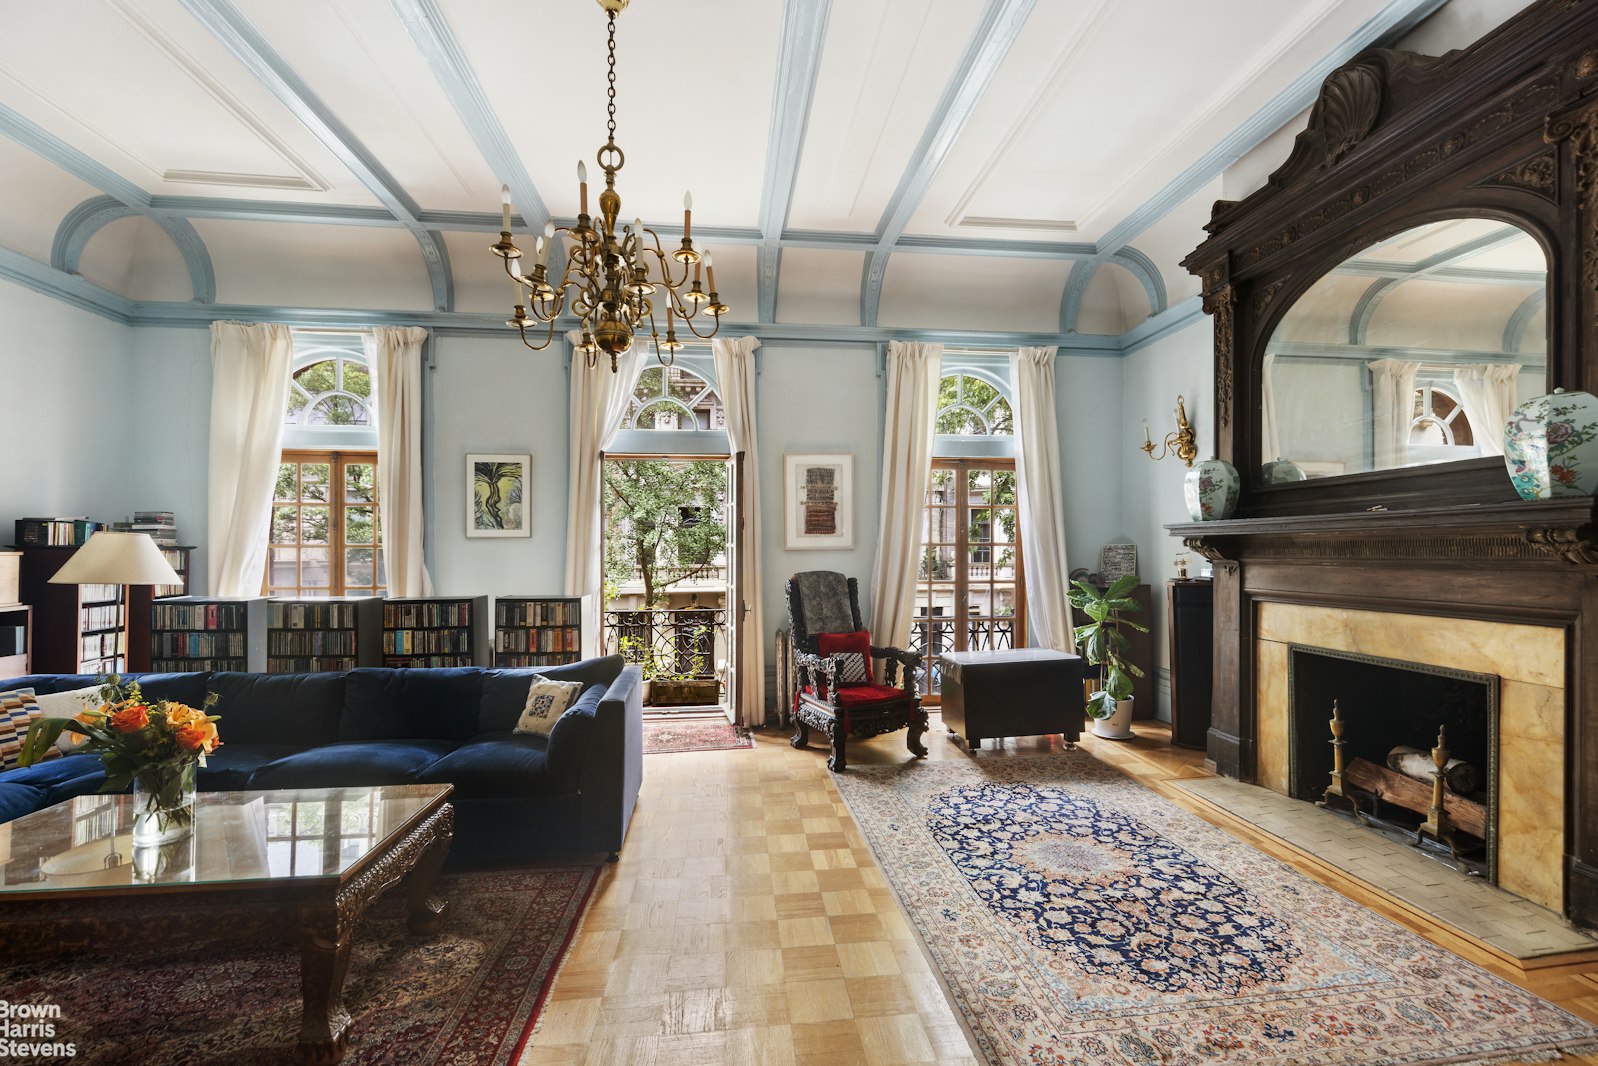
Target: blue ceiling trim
(1173,319)
(69,288)
(1001,23)
(1515,330)
(234,31)
(1433,267)
(1143,269)
(1369,269)
(1133,261)
(1076,284)
(431,33)
(804,31)
(231,210)
(81,223)
(1359,319)
(1394,20)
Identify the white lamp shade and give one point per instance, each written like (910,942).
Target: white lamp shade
(117,559)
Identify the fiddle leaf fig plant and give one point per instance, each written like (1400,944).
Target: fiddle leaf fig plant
(1103,643)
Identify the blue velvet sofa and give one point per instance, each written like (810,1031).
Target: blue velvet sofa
(517,796)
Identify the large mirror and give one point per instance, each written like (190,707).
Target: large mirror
(1413,351)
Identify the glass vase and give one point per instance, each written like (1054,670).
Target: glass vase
(163,804)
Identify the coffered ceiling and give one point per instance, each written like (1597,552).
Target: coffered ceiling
(880,165)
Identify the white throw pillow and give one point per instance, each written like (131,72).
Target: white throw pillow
(546,701)
(67,705)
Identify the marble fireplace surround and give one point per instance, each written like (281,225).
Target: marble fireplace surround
(1530,663)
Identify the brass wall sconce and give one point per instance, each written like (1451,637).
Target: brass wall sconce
(1179,440)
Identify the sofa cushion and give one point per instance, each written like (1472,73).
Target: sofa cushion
(500,765)
(568,744)
(547,700)
(46,775)
(19,709)
(381,704)
(185,688)
(18,800)
(299,710)
(505,691)
(228,768)
(352,764)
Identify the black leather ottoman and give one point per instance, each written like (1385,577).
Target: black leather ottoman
(1022,693)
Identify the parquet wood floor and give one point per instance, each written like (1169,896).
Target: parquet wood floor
(747,921)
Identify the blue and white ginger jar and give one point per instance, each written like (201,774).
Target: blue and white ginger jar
(1210,490)
(1551,446)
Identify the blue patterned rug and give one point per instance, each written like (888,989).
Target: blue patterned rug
(1080,919)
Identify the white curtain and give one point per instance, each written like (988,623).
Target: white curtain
(396,355)
(598,400)
(1488,395)
(1392,410)
(1270,434)
(735,380)
(1039,504)
(250,367)
(913,373)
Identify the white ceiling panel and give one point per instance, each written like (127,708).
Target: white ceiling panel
(357,56)
(965,292)
(1099,105)
(693,106)
(151,95)
(883,69)
(820,286)
(37,195)
(291,265)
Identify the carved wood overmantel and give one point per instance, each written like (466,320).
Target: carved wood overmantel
(1506,129)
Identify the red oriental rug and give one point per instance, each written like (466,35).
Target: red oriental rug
(468,996)
(693,734)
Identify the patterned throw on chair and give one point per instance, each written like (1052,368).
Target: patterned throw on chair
(1079,918)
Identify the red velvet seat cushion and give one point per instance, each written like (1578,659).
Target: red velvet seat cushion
(861,695)
(855,648)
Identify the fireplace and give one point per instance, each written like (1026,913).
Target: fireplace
(1385,707)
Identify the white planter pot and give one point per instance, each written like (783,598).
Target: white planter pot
(1210,490)
(1117,726)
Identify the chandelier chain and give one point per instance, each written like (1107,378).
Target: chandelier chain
(610,107)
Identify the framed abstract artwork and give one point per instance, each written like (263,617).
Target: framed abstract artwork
(496,495)
(818,507)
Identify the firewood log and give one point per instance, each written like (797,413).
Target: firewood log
(1406,792)
(1460,776)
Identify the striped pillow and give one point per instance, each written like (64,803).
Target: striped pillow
(18,710)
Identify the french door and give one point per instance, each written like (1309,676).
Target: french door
(969,595)
(325,539)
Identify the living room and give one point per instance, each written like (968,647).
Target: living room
(321,297)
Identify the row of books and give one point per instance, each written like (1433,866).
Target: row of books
(310,615)
(279,664)
(426,641)
(427,614)
(100,645)
(55,532)
(161,526)
(543,613)
(195,666)
(99,593)
(569,639)
(322,642)
(105,617)
(513,659)
(196,645)
(198,616)
(431,661)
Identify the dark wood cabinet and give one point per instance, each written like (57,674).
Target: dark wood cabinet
(1191,621)
(79,629)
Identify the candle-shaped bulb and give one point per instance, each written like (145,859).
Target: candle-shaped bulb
(710,271)
(638,228)
(582,170)
(582,185)
(517,285)
(504,208)
(545,246)
(687,215)
(687,201)
(671,314)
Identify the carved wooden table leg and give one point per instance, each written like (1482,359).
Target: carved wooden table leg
(324,960)
(427,910)
(917,726)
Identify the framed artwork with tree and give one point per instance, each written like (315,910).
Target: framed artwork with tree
(496,495)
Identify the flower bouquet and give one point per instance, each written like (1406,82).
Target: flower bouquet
(152,744)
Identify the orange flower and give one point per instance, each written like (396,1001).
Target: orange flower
(199,736)
(130,718)
(181,714)
(91,715)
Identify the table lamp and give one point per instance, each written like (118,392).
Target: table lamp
(124,559)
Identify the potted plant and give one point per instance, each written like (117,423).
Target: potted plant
(1104,644)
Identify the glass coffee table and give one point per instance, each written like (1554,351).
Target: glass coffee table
(292,867)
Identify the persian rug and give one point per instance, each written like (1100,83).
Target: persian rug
(693,734)
(468,996)
(1078,918)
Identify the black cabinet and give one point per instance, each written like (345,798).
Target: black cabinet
(1192,625)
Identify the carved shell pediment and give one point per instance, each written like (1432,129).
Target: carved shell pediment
(1346,111)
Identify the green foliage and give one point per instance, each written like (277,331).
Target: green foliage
(663,520)
(1103,643)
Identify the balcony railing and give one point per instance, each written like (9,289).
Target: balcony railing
(689,642)
(935,635)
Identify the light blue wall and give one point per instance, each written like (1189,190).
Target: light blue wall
(171,396)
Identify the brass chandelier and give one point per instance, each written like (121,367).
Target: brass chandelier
(609,277)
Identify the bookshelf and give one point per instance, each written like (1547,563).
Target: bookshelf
(177,556)
(323,633)
(440,631)
(537,630)
(78,629)
(16,624)
(194,633)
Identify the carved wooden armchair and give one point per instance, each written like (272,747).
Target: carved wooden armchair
(837,691)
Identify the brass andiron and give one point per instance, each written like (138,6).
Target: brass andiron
(1335,789)
(1180,440)
(1437,826)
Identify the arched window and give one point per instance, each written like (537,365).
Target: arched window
(1439,420)
(673,398)
(969,406)
(335,390)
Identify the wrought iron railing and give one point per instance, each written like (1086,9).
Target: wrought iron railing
(687,643)
(935,635)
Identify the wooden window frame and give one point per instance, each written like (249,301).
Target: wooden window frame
(337,460)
